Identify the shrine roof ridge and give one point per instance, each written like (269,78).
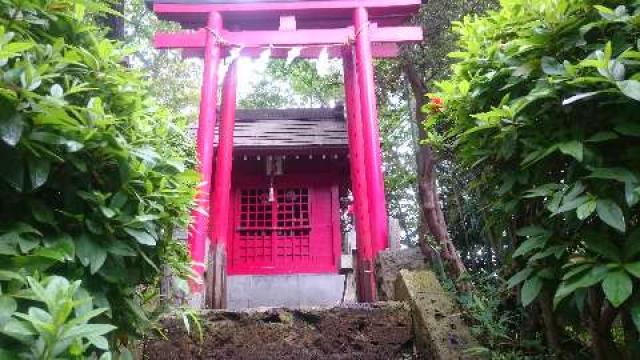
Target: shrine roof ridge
(317,114)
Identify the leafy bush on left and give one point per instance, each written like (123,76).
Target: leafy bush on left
(92,183)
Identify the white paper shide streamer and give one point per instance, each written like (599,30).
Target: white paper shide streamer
(293,54)
(322,66)
(263,60)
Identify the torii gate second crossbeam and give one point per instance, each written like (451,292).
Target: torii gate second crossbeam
(355,30)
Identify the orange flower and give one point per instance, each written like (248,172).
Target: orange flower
(436,104)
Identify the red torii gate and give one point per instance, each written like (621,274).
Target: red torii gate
(355,30)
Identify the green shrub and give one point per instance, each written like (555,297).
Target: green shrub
(543,105)
(92,180)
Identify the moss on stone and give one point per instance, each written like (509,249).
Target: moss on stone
(441,333)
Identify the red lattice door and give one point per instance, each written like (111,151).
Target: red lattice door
(289,233)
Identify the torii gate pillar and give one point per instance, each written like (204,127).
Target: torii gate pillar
(370,133)
(199,229)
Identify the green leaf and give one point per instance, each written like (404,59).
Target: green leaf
(118,247)
(572,204)
(586,209)
(141,236)
(542,191)
(18,328)
(628,129)
(14,48)
(62,244)
(85,330)
(551,66)
(617,287)
(633,269)
(572,148)
(635,315)
(11,130)
(576,270)
(602,136)
(90,253)
(533,231)
(588,279)
(13,172)
(7,307)
(632,244)
(107,212)
(529,245)
(620,174)
(630,88)
(631,193)
(42,213)
(530,290)
(578,97)
(519,277)
(98,341)
(603,246)
(28,243)
(556,250)
(38,171)
(57,91)
(611,214)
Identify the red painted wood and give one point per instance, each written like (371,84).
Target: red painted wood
(379,50)
(264,38)
(358,176)
(224,159)
(336,223)
(371,133)
(386,12)
(264,243)
(200,216)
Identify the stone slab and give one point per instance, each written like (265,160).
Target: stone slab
(388,266)
(441,333)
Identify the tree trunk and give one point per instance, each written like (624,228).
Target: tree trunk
(114,23)
(630,333)
(551,329)
(601,319)
(428,190)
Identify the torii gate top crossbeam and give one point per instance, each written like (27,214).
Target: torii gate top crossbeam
(285,24)
(261,14)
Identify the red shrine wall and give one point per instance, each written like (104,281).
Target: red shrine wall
(287,223)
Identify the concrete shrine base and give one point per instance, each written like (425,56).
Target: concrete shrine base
(291,291)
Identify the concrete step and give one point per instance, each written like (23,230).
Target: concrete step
(358,331)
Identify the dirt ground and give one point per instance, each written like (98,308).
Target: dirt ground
(380,331)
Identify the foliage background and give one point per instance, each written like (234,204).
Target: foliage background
(90,181)
(541,111)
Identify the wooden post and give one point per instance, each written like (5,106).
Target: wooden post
(206,125)
(371,133)
(217,271)
(365,267)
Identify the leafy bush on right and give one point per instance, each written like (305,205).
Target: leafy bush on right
(543,105)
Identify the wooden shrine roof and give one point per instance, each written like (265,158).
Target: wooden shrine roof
(290,129)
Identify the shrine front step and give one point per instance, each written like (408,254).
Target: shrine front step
(357,331)
(287,291)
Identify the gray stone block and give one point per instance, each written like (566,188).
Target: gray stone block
(274,291)
(292,291)
(321,290)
